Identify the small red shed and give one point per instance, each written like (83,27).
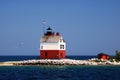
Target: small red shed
(103,56)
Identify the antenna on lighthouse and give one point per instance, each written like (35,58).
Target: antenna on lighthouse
(44,25)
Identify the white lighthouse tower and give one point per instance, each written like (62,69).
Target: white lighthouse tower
(52,46)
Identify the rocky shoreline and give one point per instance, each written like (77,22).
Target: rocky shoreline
(58,62)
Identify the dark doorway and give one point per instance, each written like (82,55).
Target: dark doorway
(61,55)
(46,54)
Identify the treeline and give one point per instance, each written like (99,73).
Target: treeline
(118,55)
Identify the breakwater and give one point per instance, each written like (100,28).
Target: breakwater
(58,62)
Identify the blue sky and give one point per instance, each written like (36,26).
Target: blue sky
(88,26)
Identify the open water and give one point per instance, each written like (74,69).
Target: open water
(57,72)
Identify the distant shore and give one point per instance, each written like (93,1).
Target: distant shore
(58,62)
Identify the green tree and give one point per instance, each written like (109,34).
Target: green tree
(118,55)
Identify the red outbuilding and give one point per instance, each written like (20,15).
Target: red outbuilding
(52,45)
(103,56)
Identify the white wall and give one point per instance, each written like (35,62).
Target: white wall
(52,46)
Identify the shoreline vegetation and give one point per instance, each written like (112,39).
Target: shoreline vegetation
(60,62)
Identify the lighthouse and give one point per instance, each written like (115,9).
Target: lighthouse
(52,45)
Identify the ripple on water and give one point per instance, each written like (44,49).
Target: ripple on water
(60,73)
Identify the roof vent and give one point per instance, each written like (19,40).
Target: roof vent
(57,34)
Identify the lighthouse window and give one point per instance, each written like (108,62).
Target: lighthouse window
(41,47)
(60,40)
(61,46)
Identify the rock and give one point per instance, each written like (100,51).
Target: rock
(60,62)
